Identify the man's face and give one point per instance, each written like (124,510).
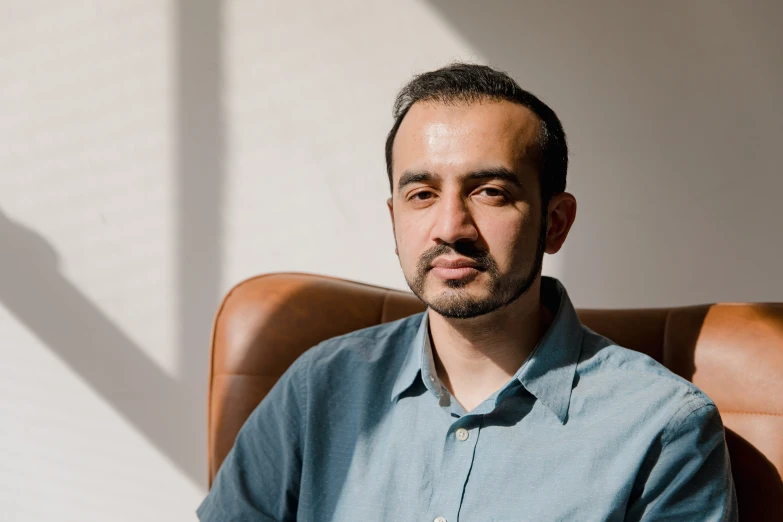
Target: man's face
(466,205)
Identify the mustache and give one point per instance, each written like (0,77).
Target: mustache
(480,257)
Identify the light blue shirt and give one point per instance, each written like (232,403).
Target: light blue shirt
(360,428)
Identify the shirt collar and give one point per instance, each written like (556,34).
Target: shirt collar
(418,348)
(547,373)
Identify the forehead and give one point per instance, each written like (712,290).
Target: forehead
(461,137)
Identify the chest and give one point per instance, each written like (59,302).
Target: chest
(418,463)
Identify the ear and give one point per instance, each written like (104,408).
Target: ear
(391,214)
(561,214)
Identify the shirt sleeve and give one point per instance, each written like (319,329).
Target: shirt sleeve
(689,476)
(259,480)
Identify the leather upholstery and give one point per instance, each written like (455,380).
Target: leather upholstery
(733,352)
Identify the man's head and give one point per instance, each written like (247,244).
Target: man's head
(477,170)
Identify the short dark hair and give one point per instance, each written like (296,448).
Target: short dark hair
(468,83)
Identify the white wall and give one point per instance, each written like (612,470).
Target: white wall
(153,154)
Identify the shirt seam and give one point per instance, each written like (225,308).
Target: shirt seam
(304,412)
(304,390)
(668,439)
(670,431)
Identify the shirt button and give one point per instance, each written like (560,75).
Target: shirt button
(440,519)
(462,434)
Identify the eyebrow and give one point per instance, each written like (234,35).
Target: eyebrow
(498,173)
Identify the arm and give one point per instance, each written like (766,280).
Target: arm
(689,477)
(259,480)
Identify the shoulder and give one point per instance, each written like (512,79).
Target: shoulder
(367,343)
(377,348)
(626,378)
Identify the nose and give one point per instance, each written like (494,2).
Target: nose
(453,221)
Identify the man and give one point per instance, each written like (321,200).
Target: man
(495,403)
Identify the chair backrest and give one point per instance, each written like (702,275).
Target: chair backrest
(733,352)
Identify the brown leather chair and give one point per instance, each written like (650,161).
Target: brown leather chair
(733,352)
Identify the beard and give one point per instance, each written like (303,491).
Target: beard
(457,303)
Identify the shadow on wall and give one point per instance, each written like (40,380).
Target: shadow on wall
(40,297)
(171,413)
(673,117)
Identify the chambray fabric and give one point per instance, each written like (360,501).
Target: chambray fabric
(360,428)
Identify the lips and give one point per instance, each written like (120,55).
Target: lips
(455,263)
(455,268)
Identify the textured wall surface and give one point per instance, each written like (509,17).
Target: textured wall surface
(152,154)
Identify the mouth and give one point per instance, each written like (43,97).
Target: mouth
(461,268)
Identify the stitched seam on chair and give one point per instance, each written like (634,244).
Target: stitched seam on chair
(212,374)
(241,374)
(751,413)
(383,307)
(665,336)
(218,315)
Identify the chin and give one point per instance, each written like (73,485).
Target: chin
(450,292)
(473,286)
(462,306)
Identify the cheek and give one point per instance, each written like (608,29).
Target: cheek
(411,240)
(511,242)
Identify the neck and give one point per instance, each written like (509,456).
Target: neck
(476,357)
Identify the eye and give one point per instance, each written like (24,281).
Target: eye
(422,195)
(493,193)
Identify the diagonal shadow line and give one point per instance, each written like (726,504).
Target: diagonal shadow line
(58,313)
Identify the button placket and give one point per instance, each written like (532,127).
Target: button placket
(458,456)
